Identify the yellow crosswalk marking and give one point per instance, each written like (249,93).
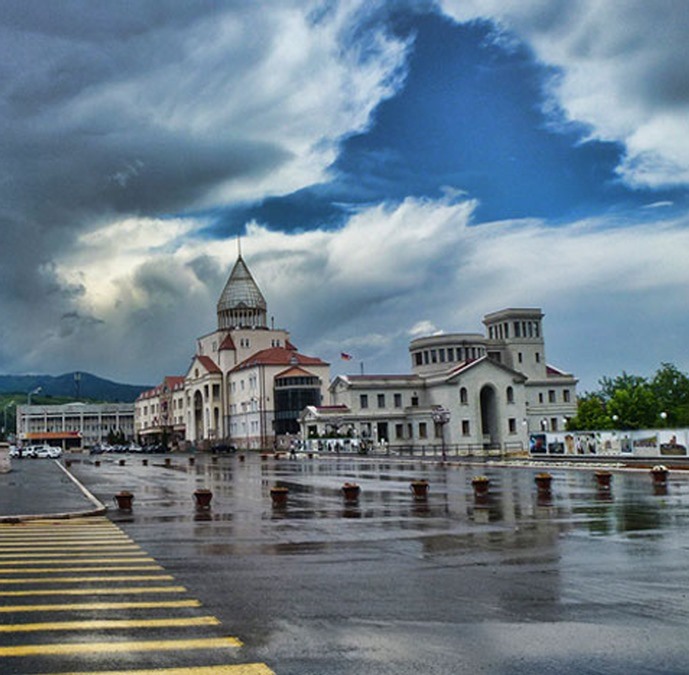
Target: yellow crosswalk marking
(62,570)
(133,590)
(108,624)
(40,539)
(50,554)
(70,649)
(48,549)
(239,669)
(98,606)
(42,560)
(81,580)
(88,552)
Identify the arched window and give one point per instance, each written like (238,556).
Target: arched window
(463,396)
(510,395)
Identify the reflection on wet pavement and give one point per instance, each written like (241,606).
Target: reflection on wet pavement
(497,573)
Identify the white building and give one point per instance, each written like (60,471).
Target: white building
(247,383)
(74,425)
(248,386)
(466,392)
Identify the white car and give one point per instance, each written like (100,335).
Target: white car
(43,452)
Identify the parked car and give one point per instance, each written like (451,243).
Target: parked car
(222,448)
(47,452)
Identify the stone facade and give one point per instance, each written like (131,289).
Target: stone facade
(466,392)
(246,383)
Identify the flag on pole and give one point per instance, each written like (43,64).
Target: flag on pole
(346,357)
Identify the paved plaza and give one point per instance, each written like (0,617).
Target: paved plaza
(585,581)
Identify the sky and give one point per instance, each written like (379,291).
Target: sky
(393,169)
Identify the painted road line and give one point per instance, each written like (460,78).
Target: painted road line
(74,648)
(50,555)
(76,561)
(11,537)
(71,570)
(75,549)
(81,580)
(57,527)
(132,590)
(98,606)
(110,624)
(239,669)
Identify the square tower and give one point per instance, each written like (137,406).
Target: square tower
(515,339)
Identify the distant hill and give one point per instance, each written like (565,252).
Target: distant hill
(90,387)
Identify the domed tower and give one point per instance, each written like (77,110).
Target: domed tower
(241,303)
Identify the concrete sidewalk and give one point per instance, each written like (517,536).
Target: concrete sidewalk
(37,488)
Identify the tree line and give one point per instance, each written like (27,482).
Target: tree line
(634,402)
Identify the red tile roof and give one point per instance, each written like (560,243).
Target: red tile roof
(228,343)
(279,356)
(172,382)
(295,371)
(552,371)
(208,363)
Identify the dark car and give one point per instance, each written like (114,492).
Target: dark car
(221,448)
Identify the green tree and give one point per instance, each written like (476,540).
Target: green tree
(608,386)
(671,389)
(591,414)
(633,407)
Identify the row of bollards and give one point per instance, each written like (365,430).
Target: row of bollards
(419,489)
(202,496)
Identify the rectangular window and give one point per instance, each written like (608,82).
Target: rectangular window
(566,395)
(512,425)
(434,356)
(425,358)
(450,354)
(418,358)
(410,430)
(399,431)
(398,400)
(553,423)
(538,357)
(381,400)
(466,428)
(414,401)
(423,433)
(441,353)
(551,396)
(517,331)
(363,400)
(520,357)
(540,397)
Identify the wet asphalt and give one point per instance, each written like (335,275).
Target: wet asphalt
(581,581)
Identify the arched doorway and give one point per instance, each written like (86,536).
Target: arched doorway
(490,427)
(198,416)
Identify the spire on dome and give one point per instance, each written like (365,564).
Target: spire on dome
(241,303)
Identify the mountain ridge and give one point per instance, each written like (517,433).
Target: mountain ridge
(88,386)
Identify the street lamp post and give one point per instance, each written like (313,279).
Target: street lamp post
(441,416)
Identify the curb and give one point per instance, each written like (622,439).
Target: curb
(99,509)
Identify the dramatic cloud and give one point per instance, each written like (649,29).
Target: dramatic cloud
(123,118)
(622,71)
(131,140)
(336,295)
